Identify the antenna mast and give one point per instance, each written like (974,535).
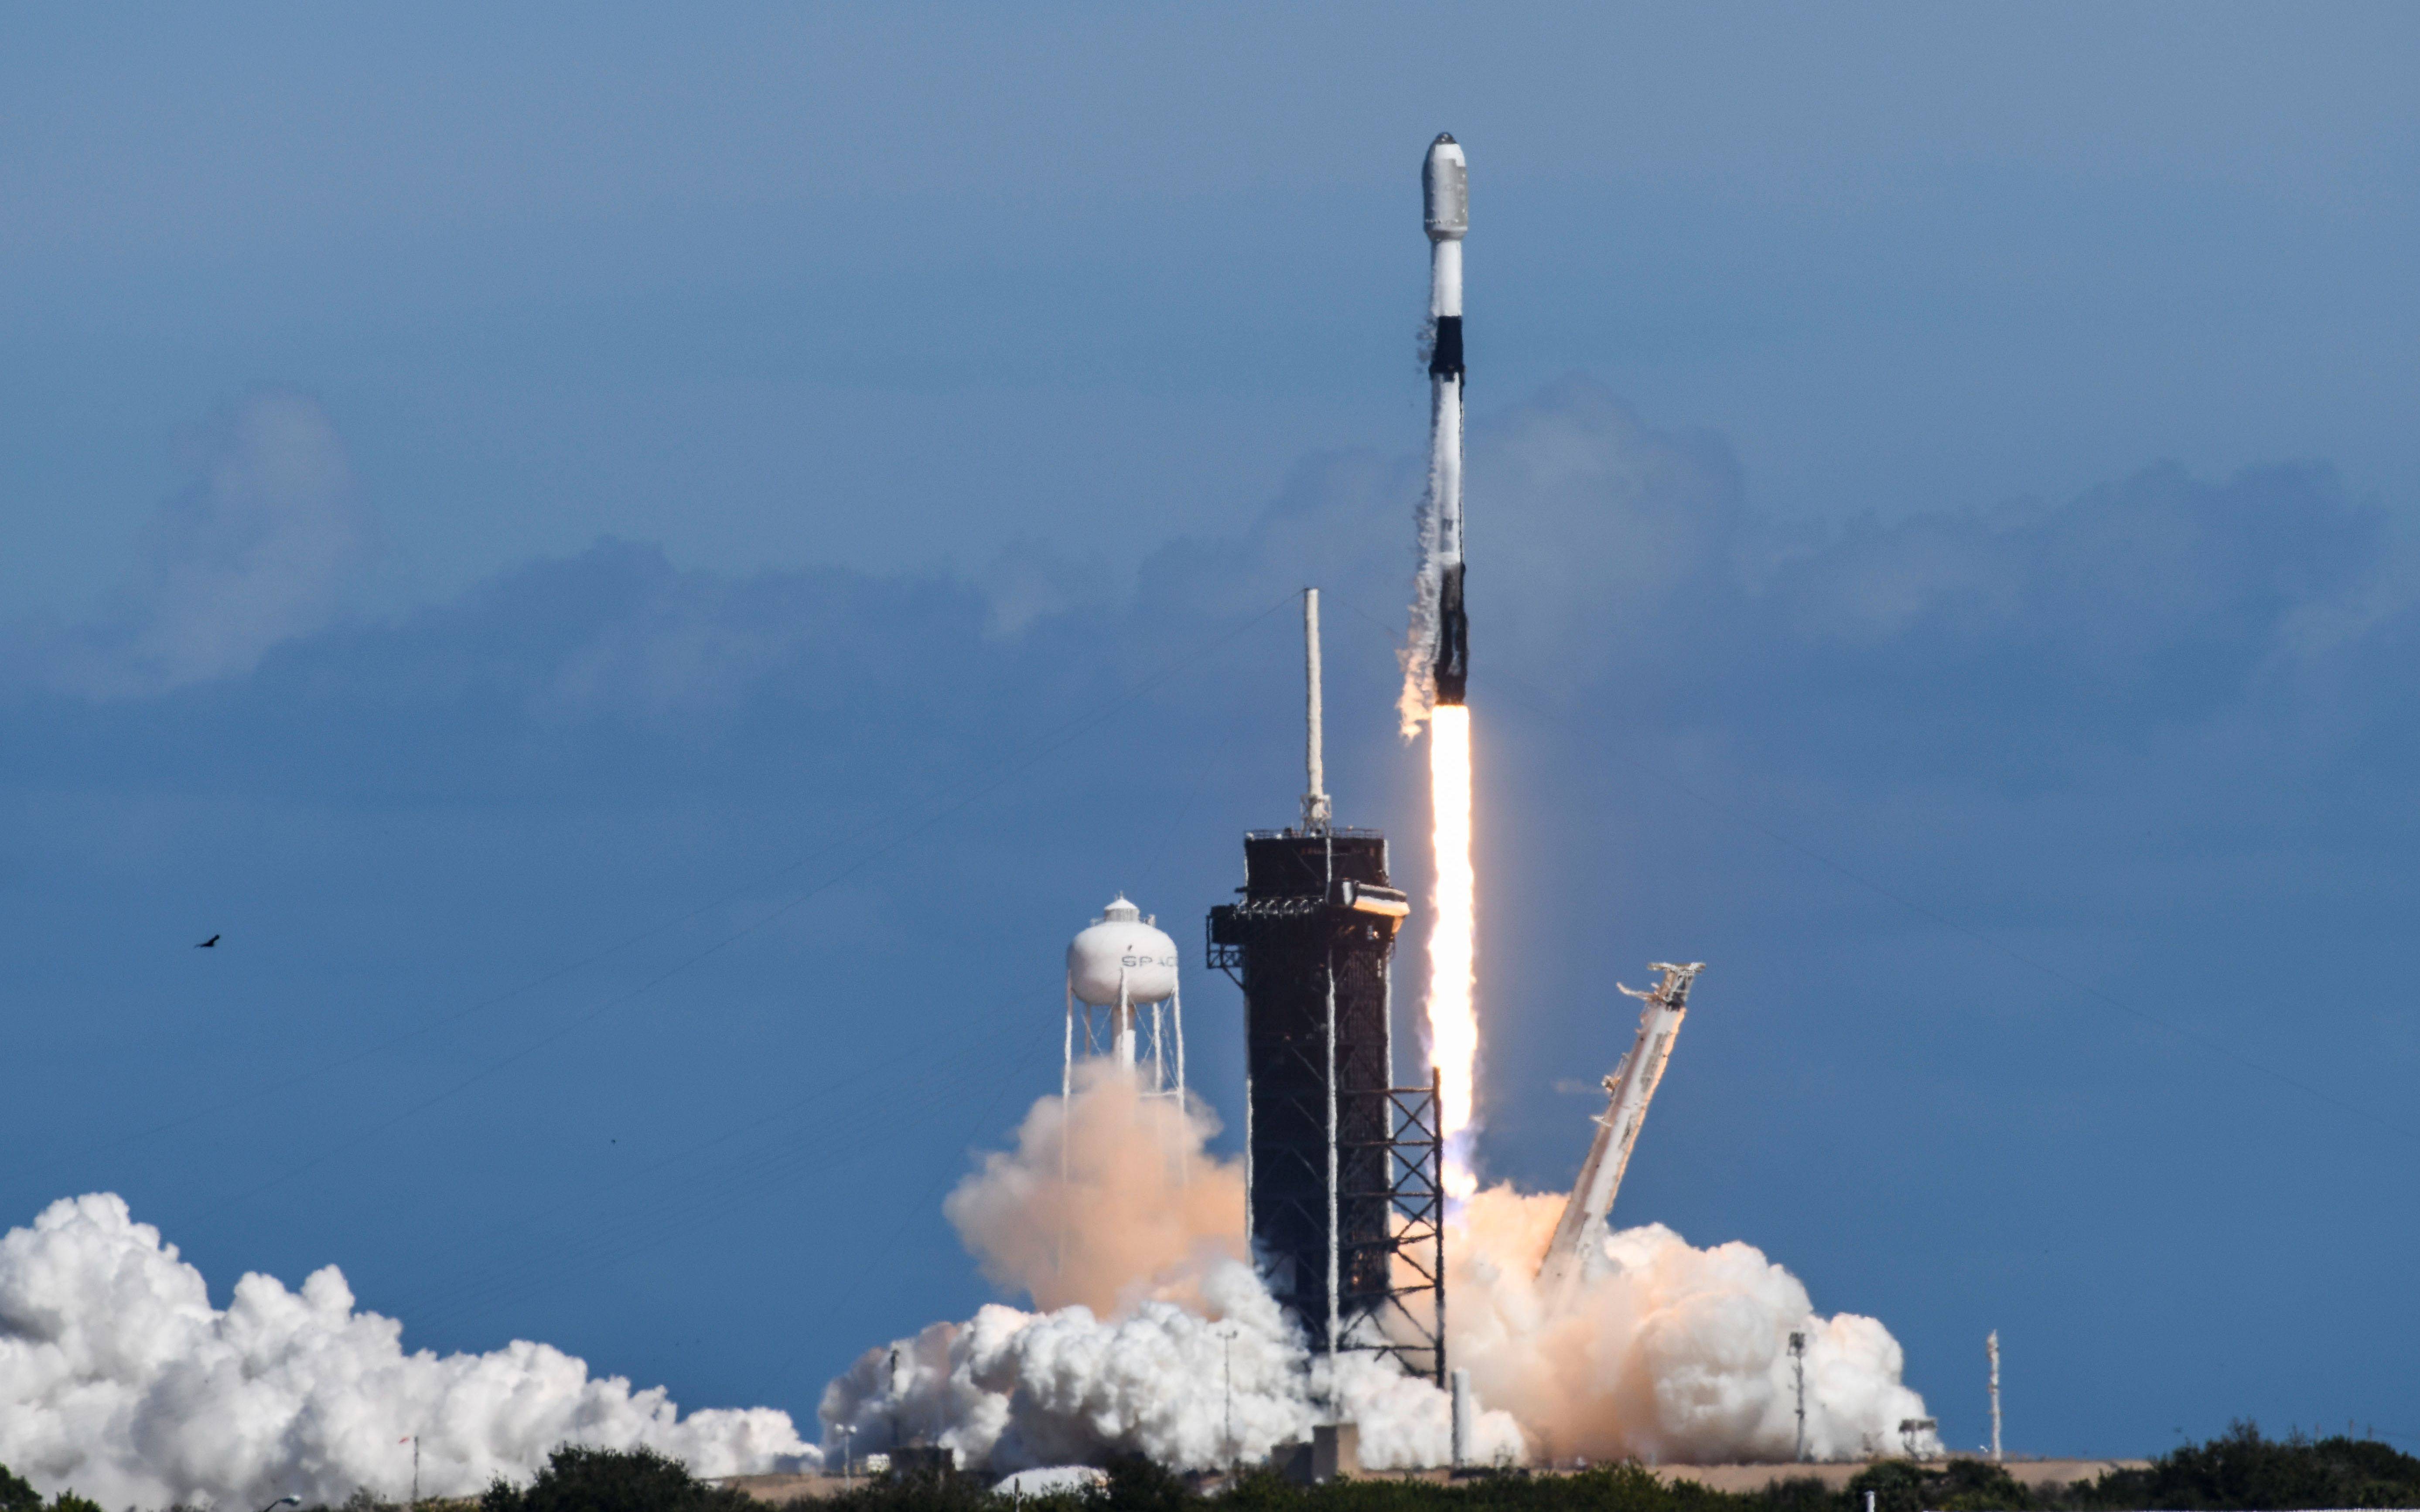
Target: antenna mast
(1992,1348)
(1315,814)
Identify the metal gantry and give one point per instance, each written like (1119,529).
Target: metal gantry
(1345,1169)
(1414,1158)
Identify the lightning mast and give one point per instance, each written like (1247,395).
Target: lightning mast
(1991,1351)
(1628,1091)
(1344,1194)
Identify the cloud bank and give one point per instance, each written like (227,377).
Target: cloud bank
(1622,563)
(119,1379)
(268,542)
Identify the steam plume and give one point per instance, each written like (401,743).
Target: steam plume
(117,1378)
(1147,1321)
(1670,1351)
(1667,1351)
(1033,1218)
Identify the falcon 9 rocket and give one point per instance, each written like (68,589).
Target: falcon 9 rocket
(1442,631)
(1445,195)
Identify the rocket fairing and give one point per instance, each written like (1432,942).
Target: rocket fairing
(1445,196)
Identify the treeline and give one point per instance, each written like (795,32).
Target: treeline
(2240,1471)
(17,1496)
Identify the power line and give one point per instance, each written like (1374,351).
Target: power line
(1539,705)
(1065,734)
(747,1180)
(861,1078)
(881,1251)
(1027,755)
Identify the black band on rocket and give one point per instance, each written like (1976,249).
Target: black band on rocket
(1445,360)
(1454,638)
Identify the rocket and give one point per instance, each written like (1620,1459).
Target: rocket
(1444,199)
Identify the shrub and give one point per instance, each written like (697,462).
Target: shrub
(577,1479)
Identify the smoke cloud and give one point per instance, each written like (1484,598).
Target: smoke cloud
(267,543)
(117,1378)
(1668,1351)
(1154,1335)
(1033,1217)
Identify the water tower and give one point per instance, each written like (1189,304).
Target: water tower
(1116,968)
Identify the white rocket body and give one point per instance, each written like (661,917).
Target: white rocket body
(1445,196)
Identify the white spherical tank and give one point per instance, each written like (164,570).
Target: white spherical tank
(1122,943)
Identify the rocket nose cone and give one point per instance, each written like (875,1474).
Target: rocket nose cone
(1445,190)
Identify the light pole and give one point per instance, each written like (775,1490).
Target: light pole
(895,1396)
(1229,1334)
(1991,1350)
(1798,1365)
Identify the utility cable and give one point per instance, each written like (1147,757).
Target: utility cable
(1540,705)
(747,1180)
(1038,746)
(1066,734)
(861,1078)
(880,1252)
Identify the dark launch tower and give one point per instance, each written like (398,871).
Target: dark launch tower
(1346,1208)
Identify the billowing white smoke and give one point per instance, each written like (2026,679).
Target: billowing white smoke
(1190,1388)
(1158,1339)
(1668,1351)
(119,1379)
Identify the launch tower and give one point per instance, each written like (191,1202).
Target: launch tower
(1346,1211)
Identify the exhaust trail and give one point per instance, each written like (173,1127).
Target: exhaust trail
(1452,1010)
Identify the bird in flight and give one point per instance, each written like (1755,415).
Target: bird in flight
(206,944)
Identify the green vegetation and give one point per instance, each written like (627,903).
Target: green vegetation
(611,1480)
(1612,1489)
(2238,1472)
(17,1496)
(2240,1468)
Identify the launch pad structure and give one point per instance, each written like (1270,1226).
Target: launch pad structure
(1344,1169)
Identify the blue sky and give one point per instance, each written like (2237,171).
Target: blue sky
(646,571)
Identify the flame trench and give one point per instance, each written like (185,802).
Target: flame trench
(1452,1013)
